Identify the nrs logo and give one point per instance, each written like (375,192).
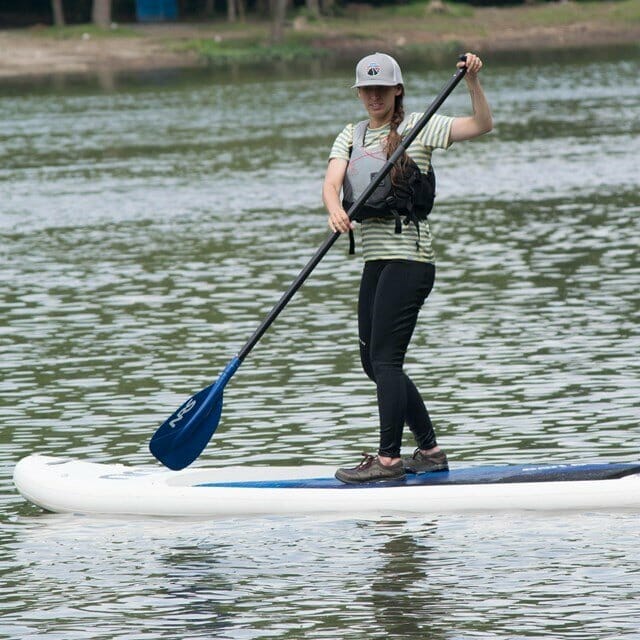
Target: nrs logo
(182,412)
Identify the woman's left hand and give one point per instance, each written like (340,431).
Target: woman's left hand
(473,64)
(467,127)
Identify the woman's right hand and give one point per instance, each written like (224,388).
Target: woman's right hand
(339,221)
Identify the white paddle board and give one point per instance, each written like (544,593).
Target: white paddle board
(74,486)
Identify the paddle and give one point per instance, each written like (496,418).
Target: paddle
(181,438)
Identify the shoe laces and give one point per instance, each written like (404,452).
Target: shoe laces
(417,455)
(367,461)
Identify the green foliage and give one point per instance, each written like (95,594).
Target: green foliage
(441,51)
(79,31)
(420,9)
(247,51)
(565,13)
(629,10)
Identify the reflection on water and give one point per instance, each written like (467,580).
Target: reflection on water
(498,576)
(146,231)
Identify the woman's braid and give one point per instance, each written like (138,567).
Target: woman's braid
(394,139)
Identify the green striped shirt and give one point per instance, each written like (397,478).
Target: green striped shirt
(379,240)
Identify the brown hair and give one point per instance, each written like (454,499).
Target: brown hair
(394,138)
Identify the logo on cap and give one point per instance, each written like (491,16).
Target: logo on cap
(373,69)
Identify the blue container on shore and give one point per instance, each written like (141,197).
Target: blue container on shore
(156,10)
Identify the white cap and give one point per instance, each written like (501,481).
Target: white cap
(378,69)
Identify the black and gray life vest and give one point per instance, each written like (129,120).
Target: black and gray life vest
(409,199)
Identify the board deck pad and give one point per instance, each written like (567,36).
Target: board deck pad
(472,475)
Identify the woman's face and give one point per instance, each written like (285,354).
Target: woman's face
(379,102)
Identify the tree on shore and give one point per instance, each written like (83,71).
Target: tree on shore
(326,6)
(278,14)
(58,13)
(101,13)
(313,7)
(235,10)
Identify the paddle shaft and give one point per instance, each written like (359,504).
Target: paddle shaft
(357,205)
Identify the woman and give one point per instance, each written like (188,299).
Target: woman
(399,266)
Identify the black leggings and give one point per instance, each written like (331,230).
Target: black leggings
(392,293)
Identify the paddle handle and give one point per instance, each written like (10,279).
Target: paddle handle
(357,205)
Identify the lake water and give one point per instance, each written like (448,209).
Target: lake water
(147,226)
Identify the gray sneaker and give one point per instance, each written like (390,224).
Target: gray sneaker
(371,470)
(422,463)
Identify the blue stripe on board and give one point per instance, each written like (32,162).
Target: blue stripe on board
(472,475)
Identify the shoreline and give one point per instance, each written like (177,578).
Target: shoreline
(81,50)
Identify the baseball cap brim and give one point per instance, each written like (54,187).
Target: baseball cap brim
(374,83)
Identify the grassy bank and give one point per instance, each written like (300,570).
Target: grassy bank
(418,27)
(413,28)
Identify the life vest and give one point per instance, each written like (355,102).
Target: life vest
(410,199)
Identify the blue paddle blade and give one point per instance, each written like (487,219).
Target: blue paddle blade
(183,437)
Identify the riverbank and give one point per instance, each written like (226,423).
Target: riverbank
(410,29)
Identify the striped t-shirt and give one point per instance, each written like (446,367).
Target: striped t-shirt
(379,239)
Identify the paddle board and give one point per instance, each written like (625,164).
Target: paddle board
(74,486)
